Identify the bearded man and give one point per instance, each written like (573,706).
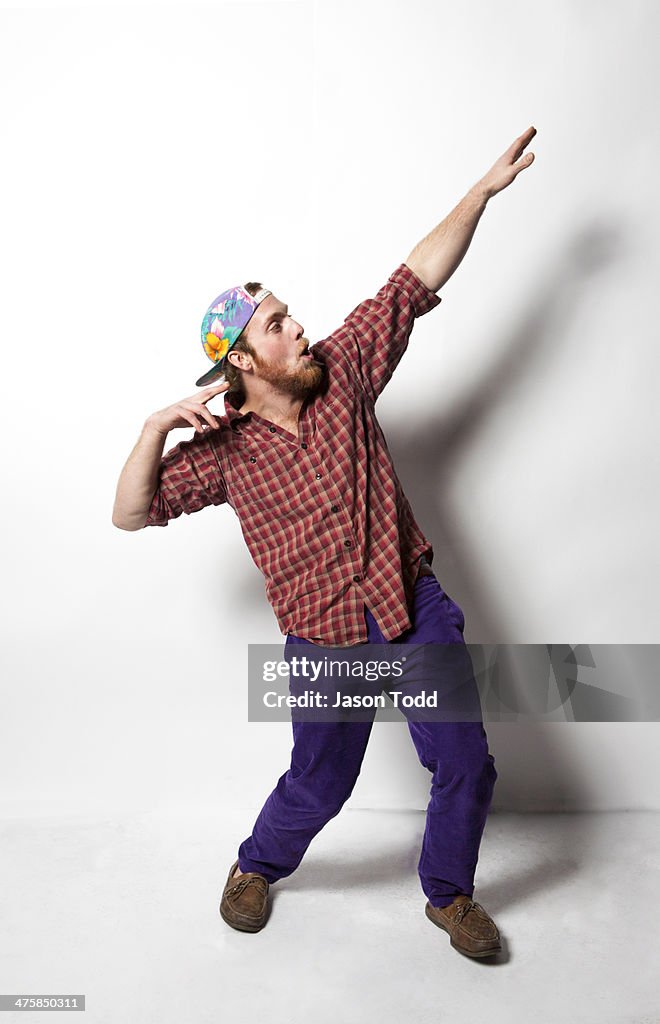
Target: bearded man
(300,456)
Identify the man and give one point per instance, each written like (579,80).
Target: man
(301,458)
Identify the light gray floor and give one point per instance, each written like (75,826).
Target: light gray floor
(125,911)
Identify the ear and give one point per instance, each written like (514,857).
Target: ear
(240,359)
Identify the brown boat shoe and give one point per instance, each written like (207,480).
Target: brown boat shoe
(471,929)
(244,903)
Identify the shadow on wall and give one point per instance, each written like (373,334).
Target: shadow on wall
(428,456)
(436,447)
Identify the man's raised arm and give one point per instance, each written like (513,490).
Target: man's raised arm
(139,477)
(437,256)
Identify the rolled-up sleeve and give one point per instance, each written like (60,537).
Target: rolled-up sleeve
(375,334)
(189,479)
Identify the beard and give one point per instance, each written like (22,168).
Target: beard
(302,382)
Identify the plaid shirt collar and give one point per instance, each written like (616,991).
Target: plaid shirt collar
(234,415)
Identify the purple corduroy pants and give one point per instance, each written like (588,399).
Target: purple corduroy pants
(327,757)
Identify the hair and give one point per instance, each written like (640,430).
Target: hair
(233,375)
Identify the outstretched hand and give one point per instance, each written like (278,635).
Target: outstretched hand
(509,165)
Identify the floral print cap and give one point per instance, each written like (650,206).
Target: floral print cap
(222,325)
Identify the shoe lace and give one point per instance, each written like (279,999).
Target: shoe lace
(466,907)
(237,889)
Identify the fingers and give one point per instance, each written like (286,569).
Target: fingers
(206,394)
(214,389)
(522,164)
(208,416)
(526,137)
(196,413)
(205,413)
(517,148)
(190,410)
(193,410)
(189,417)
(209,393)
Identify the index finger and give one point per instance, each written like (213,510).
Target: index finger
(213,389)
(516,148)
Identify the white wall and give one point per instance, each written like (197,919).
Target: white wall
(154,156)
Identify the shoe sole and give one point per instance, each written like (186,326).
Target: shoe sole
(242,927)
(461,949)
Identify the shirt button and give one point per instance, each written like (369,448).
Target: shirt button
(318,476)
(252,458)
(272,429)
(356,579)
(304,444)
(347,543)
(334,508)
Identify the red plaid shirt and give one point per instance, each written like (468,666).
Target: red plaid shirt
(323,514)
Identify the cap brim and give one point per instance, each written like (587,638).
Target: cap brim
(213,374)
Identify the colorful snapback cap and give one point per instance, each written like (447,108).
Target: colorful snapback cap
(223,323)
